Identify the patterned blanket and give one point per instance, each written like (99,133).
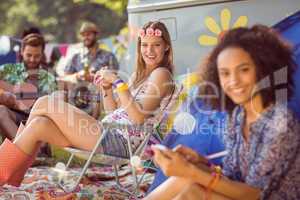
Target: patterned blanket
(40,183)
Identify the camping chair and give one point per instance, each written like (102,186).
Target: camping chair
(178,96)
(93,156)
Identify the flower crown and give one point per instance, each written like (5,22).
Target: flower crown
(150,32)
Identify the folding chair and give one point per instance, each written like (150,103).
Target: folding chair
(93,156)
(179,94)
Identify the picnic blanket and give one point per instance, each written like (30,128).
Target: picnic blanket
(40,183)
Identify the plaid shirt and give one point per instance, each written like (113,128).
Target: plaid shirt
(101,59)
(16,73)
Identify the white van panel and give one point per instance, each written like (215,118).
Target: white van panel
(186,23)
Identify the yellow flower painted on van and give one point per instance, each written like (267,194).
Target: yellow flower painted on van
(218,30)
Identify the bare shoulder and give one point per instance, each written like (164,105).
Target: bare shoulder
(161,74)
(131,78)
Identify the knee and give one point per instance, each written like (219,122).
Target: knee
(41,102)
(44,105)
(36,128)
(58,95)
(3,112)
(51,99)
(40,123)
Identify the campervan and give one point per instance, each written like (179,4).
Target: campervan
(196,25)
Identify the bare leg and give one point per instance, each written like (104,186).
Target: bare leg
(191,192)
(79,128)
(196,192)
(20,130)
(7,122)
(40,129)
(169,189)
(176,188)
(58,123)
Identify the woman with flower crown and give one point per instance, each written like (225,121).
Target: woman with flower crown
(56,122)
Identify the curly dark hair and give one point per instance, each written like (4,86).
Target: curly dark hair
(271,55)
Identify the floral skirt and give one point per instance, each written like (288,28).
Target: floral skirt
(115,142)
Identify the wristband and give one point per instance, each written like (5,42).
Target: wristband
(117,82)
(121,87)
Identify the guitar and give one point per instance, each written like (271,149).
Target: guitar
(79,93)
(26,94)
(82,97)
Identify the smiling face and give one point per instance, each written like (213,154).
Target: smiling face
(153,50)
(237,74)
(32,56)
(89,38)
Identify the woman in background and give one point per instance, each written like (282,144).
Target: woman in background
(56,122)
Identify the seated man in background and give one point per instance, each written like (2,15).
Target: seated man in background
(28,71)
(30,30)
(83,65)
(90,55)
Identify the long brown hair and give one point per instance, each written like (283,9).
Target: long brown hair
(167,62)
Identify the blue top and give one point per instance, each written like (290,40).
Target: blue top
(270,159)
(205,139)
(289,28)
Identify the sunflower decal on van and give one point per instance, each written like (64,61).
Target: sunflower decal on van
(219,30)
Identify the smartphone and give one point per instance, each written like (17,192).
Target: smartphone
(160,147)
(217,155)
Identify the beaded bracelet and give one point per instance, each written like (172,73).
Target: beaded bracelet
(217,173)
(117,82)
(120,86)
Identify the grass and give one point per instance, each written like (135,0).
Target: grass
(60,155)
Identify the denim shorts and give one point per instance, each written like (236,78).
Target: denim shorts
(114,144)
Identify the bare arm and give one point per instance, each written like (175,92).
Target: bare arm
(109,103)
(8,99)
(160,84)
(226,187)
(167,159)
(96,110)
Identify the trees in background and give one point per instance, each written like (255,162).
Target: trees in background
(60,20)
